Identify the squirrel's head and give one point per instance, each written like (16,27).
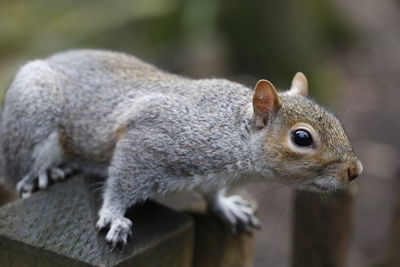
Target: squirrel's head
(301,141)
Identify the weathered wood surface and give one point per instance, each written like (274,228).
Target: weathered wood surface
(322,229)
(56,228)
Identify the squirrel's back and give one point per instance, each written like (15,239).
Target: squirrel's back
(84,96)
(111,79)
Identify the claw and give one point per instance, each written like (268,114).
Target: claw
(248,230)
(57,174)
(25,194)
(255,222)
(25,185)
(238,213)
(120,229)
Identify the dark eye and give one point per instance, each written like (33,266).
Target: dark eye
(302,138)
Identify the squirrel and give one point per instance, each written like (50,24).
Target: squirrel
(151,133)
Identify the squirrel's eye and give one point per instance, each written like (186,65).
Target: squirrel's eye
(302,138)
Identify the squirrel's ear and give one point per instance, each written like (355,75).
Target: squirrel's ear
(265,100)
(299,85)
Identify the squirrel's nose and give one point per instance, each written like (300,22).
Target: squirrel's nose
(354,170)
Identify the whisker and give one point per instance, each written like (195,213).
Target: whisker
(96,183)
(97,186)
(298,181)
(98,189)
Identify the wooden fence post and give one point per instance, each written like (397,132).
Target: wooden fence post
(56,228)
(322,228)
(216,246)
(394,247)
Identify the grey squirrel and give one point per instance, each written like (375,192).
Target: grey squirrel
(152,133)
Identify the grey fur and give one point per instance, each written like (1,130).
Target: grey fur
(151,132)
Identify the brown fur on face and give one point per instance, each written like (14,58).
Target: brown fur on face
(332,147)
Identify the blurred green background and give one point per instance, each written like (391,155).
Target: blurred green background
(244,40)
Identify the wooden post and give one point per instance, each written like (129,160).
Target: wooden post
(322,226)
(56,227)
(216,246)
(394,248)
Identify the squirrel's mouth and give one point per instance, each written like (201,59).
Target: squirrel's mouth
(319,188)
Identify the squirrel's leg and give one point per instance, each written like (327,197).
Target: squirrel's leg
(122,191)
(233,210)
(126,185)
(47,155)
(46,166)
(111,215)
(29,137)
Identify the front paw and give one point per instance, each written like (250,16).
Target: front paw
(237,213)
(120,228)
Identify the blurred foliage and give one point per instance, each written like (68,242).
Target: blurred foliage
(283,37)
(243,40)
